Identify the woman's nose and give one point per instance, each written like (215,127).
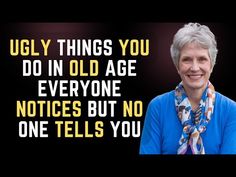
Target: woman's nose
(195,66)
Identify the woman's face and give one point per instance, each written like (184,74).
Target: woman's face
(194,66)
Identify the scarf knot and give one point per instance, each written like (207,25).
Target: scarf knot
(194,122)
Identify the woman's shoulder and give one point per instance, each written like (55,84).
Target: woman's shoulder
(223,100)
(164,98)
(225,106)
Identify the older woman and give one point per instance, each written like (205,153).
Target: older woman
(193,118)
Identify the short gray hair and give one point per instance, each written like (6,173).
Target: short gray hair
(194,32)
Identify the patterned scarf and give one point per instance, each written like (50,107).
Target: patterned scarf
(194,122)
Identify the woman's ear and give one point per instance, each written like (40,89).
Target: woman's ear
(177,68)
(212,66)
(211,69)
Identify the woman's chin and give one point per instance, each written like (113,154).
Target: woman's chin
(195,84)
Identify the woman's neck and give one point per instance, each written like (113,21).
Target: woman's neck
(194,96)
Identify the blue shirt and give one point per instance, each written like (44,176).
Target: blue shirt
(162,128)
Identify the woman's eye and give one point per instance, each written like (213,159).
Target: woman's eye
(186,59)
(202,59)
